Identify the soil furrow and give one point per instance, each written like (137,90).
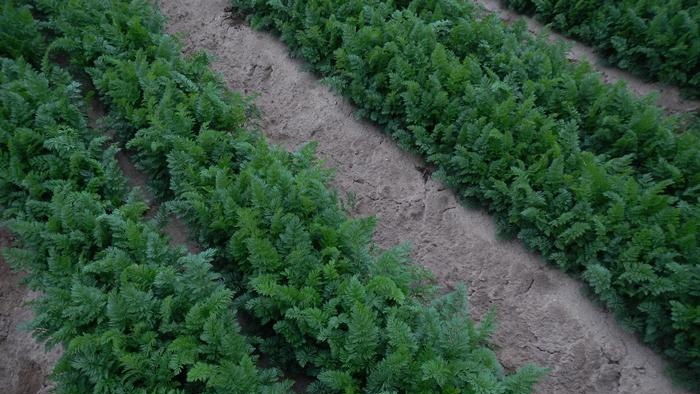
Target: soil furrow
(544,316)
(24,362)
(174,228)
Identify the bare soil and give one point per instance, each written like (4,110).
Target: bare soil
(24,363)
(544,315)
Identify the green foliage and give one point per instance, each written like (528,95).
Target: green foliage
(657,38)
(355,319)
(594,179)
(20,35)
(457,46)
(133,314)
(44,140)
(323,299)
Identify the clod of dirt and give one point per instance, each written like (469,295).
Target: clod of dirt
(543,315)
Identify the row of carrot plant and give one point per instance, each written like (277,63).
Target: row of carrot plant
(321,298)
(600,182)
(133,314)
(652,38)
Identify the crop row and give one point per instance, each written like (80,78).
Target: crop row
(506,64)
(591,177)
(133,314)
(321,298)
(654,38)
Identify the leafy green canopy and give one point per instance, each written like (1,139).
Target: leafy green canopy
(478,100)
(356,319)
(45,142)
(609,120)
(133,314)
(20,35)
(653,38)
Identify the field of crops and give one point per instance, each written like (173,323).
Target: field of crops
(653,38)
(598,181)
(290,288)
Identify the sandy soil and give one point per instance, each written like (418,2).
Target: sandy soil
(24,363)
(544,316)
(669,96)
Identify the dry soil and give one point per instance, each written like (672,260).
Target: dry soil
(24,363)
(544,317)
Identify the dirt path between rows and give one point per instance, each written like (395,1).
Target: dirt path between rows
(24,363)
(669,97)
(543,315)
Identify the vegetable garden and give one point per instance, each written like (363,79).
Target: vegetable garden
(602,183)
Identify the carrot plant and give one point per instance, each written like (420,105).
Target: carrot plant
(132,313)
(594,179)
(652,38)
(322,298)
